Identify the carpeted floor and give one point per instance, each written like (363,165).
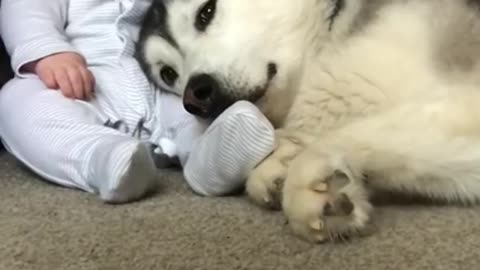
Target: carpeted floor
(43,227)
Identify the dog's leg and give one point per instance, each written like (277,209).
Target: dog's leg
(264,185)
(430,148)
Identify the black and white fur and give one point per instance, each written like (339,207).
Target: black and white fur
(368,96)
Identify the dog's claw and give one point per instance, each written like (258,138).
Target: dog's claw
(317,225)
(321,187)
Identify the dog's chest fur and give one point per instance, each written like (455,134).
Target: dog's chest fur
(393,51)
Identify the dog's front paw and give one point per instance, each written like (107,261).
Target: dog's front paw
(265,184)
(324,197)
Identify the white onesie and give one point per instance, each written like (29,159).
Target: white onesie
(105,146)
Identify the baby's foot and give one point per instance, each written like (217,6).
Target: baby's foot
(131,173)
(237,141)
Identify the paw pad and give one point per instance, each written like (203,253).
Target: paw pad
(341,206)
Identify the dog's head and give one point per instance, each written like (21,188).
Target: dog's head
(216,52)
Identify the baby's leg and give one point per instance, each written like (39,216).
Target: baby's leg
(227,152)
(66,142)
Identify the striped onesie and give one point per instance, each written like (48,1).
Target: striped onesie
(104,146)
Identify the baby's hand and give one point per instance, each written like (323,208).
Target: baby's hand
(67,72)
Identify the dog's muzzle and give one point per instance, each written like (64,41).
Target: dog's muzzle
(202,97)
(205,98)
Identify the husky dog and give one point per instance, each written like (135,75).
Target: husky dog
(368,96)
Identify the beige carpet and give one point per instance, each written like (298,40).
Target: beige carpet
(43,227)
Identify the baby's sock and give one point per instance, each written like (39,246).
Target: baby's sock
(231,147)
(123,170)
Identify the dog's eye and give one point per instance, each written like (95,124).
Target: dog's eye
(168,75)
(205,15)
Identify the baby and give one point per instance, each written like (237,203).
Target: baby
(107,125)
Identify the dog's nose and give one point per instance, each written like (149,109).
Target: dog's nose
(200,95)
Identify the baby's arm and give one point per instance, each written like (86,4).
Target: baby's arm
(34,35)
(33,29)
